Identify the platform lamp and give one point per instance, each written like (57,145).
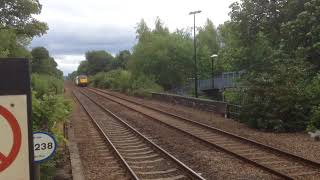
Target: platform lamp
(213,56)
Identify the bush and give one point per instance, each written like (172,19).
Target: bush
(314,123)
(126,82)
(313,93)
(233,96)
(45,84)
(49,108)
(143,86)
(276,98)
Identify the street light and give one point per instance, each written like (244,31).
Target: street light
(195,52)
(212,58)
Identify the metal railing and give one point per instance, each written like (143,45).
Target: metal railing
(233,111)
(221,81)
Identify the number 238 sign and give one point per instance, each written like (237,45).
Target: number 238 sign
(44,146)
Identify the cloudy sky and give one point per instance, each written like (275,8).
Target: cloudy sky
(76,26)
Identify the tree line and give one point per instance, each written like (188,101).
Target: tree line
(277,43)
(160,57)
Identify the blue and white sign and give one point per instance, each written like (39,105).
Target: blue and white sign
(44,146)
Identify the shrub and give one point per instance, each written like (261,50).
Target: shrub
(314,123)
(143,86)
(45,84)
(313,93)
(233,96)
(275,97)
(48,104)
(49,108)
(125,81)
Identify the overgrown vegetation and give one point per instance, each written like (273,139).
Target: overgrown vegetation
(160,60)
(277,43)
(124,81)
(49,108)
(49,112)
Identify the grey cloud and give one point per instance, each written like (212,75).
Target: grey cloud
(78,39)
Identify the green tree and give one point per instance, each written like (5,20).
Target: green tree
(208,37)
(18,26)
(274,41)
(163,55)
(98,61)
(121,59)
(208,44)
(301,35)
(83,68)
(18,15)
(42,63)
(142,31)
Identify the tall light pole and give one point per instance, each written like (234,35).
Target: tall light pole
(195,52)
(212,74)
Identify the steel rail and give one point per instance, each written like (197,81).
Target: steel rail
(132,173)
(181,164)
(314,163)
(278,151)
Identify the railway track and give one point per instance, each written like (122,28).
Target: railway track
(142,158)
(95,152)
(273,160)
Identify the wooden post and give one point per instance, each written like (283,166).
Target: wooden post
(37,171)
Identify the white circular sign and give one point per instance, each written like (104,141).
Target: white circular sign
(44,146)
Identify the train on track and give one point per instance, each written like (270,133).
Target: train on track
(82,80)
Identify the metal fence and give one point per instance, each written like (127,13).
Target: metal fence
(224,80)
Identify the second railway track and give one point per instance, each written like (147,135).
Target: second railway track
(275,161)
(142,158)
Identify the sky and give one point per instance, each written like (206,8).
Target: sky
(77,26)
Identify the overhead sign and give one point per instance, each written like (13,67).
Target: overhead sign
(16,155)
(44,146)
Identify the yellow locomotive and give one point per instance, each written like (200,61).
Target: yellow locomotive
(82,80)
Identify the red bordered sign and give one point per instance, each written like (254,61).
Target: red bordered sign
(16,142)
(5,162)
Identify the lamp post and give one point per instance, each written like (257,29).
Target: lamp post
(195,52)
(212,74)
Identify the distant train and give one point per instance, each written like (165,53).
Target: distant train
(82,80)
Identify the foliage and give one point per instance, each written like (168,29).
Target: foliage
(97,61)
(168,56)
(121,60)
(314,123)
(10,45)
(208,37)
(44,84)
(301,35)
(233,96)
(313,94)
(18,26)
(83,68)
(276,43)
(124,81)
(275,99)
(18,15)
(49,109)
(162,54)
(207,45)
(72,76)
(42,63)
